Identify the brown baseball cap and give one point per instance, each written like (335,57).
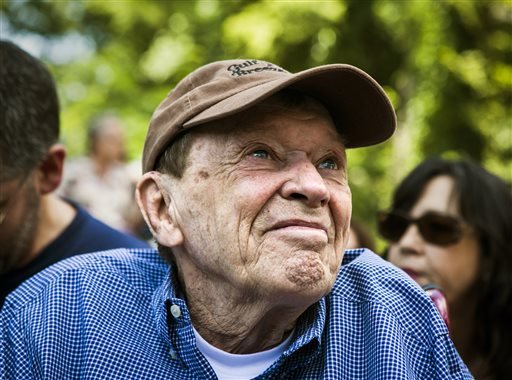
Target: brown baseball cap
(358,105)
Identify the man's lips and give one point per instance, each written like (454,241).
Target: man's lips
(298,224)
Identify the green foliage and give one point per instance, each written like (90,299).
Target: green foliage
(447,66)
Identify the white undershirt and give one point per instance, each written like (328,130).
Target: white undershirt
(229,366)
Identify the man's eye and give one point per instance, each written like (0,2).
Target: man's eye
(260,153)
(328,164)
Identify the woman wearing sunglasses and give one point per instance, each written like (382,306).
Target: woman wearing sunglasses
(450,225)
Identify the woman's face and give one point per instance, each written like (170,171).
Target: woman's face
(453,267)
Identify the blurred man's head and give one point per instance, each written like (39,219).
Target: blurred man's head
(105,138)
(30,158)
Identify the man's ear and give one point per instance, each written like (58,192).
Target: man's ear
(155,204)
(49,171)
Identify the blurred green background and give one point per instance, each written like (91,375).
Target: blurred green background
(446,65)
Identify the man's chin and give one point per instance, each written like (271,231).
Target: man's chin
(305,270)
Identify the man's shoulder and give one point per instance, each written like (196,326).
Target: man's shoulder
(96,235)
(385,325)
(365,275)
(139,270)
(367,279)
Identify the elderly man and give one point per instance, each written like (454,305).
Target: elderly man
(245,190)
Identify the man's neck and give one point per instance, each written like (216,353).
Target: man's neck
(238,323)
(53,217)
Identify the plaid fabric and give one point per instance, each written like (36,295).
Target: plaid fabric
(116,315)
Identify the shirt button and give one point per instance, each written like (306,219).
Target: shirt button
(175,311)
(173,354)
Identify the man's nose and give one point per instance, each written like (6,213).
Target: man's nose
(305,184)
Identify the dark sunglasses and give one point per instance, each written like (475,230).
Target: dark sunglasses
(434,227)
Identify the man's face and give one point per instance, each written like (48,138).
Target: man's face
(265,206)
(110,141)
(19,205)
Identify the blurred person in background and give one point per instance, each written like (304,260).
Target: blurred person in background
(360,236)
(101,182)
(37,228)
(450,224)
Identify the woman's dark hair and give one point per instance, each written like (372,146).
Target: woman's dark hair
(485,203)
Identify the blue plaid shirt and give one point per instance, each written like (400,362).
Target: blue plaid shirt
(117,315)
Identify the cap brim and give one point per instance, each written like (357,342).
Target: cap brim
(359,107)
